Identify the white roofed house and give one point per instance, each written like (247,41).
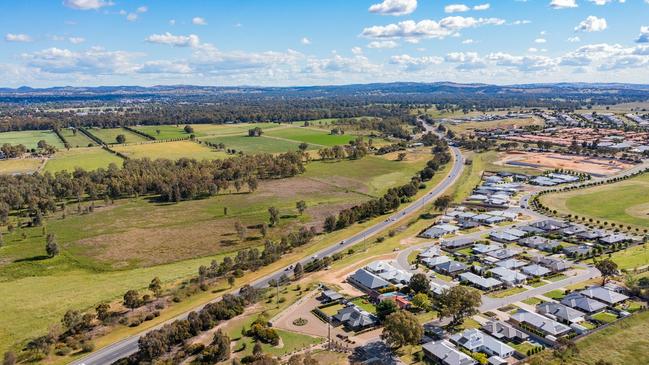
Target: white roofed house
(539,323)
(434,261)
(444,353)
(477,341)
(602,294)
(561,312)
(367,281)
(583,303)
(507,276)
(535,270)
(511,263)
(480,282)
(431,251)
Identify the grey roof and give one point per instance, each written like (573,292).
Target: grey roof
(476,341)
(605,295)
(582,302)
(535,270)
(431,251)
(332,294)
(368,280)
(434,261)
(503,253)
(508,276)
(615,238)
(503,236)
(540,322)
(446,353)
(482,248)
(531,229)
(500,329)
(482,282)
(549,225)
(560,311)
(511,263)
(451,266)
(533,241)
(355,317)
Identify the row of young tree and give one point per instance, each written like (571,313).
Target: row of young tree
(172,180)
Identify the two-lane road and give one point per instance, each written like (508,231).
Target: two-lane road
(129,345)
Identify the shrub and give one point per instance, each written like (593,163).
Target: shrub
(87,346)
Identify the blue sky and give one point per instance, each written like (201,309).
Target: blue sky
(291,42)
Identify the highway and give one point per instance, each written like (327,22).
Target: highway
(129,345)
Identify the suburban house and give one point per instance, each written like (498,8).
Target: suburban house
(387,272)
(432,251)
(434,261)
(329,296)
(511,263)
(476,341)
(614,239)
(604,295)
(560,312)
(554,264)
(583,303)
(503,254)
(481,248)
(504,331)
(440,230)
(367,281)
(509,277)
(479,281)
(444,353)
(539,323)
(535,270)
(354,318)
(451,268)
(508,236)
(438,289)
(549,225)
(400,300)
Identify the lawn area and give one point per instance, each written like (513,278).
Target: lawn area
(558,277)
(170,150)
(522,347)
(470,323)
(631,306)
(202,130)
(312,136)
(533,301)
(631,257)
(624,202)
(30,138)
(109,135)
(77,139)
(557,294)
(605,317)
(19,166)
(161,132)
(364,304)
(332,310)
(252,145)
(506,292)
(624,342)
(87,158)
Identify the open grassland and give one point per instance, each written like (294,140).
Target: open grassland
(625,202)
(162,132)
(123,245)
(312,136)
(471,127)
(170,150)
(624,343)
(109,135)
(632,257)
(77,139)
(30,138)
(254,145)
(19,166)
(87,158)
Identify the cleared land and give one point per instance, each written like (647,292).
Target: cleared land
(77,139)
(109,135)
(254,145)
(87,158)
(624,342)
(470,127)
(544,161)
(170,150)
(19,166)
(313,136)
(625,202)
(122,246)
(200,130)
(30,138)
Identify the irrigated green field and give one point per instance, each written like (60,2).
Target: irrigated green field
(317,137)
(87,158)
(200,130)
(123,245)
(254,145)
(109,135)
(170,150)
(625,202)
(19,166)
(77,139)
(30,138)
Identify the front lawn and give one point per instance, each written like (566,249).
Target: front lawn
(605,317)
(533,301)
(507,292)
(364,304)
(557,294)
(332,310)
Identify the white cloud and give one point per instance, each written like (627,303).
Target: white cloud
(427,28)
(592,24)
(644,34)
(410,63)
(92,61)
(142,9)
(604,2)
(466,61)
(563,4)
(456,8)
(165,67)
(540,40)
(482,7)
(172,21)
(305,41)
(468,41)
(532,49)
(199,21)
(131,17)
(382,44)
(76,40)
(394,7)
(574,39)
(357,50)
(86,4)
(167,38)
(22,38)
(521,22)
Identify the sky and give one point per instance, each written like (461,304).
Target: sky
(321,42)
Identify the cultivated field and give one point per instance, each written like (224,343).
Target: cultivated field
(19,166)
(30,138)
(109,135)
(170,150)
(123,245)
(545,161)
(201,130)
(77,139)
(625,202)
(313,136)
(254,145)
(87,158)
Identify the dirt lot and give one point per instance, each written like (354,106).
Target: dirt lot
(338,277)
(544,161)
